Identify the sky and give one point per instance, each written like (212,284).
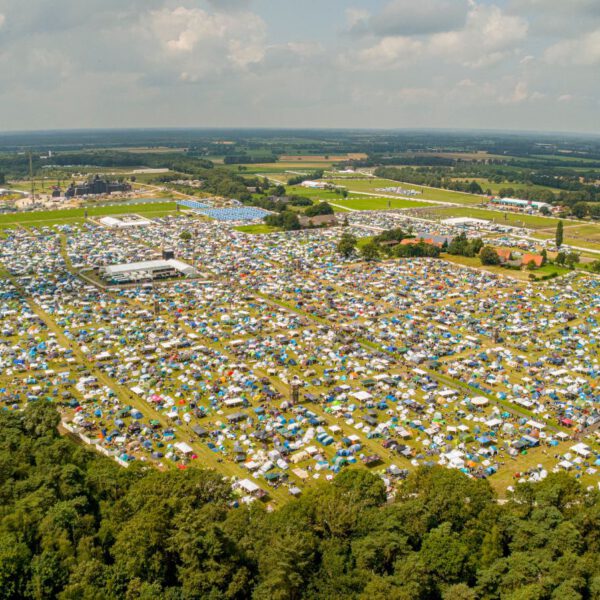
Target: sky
(473,64)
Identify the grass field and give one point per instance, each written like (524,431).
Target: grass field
(425,193)
(496,187)
(314,195)
(41,185)
(508,218)
(256,229)
(52,217)
(304,166)
(372,203)
(522,275)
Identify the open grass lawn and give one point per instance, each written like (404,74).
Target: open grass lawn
(496,187)
(550,270)
(315,195)
(521,275)
(372,203)
(363,241)
(256,229)
(67,215)
(41,185)
(375,185)
(585,230)
(300,166)
(509,218)
(475,262)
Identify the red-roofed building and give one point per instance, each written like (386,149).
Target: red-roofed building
(532,258)
(503,253)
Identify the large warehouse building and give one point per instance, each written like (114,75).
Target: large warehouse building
(149,270)
(523,204)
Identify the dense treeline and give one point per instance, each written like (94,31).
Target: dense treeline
(17,165)
(74,525)
(216,181)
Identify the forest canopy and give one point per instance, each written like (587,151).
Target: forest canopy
(75,525)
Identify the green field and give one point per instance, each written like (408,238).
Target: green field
(51,217)
(496,187)
(372,203)
(315,195)
(256,229)
(521,275)
(508,218)
(375,185)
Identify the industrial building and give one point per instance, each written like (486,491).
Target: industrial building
(96,187)
(149,270)
(522,204)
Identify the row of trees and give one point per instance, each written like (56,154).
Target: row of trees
(375,248)
(76,526)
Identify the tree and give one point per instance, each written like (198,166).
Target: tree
(571,259)
(346,245)
(595,266)
(595,210)
(445,554)
(544,256)
(185,236)
(559,234)
(580,210)
(323,208)
(561,258)
(474,188)
(370,251)
(40,419)
(489,256)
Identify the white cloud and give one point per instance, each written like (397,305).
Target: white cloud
(488,37)
(356,17)
(519,94)
(199,42)
(389,53)
(584,50)
(2,20)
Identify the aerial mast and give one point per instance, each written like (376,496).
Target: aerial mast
(31,177)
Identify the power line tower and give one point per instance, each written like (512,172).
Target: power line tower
(31,177)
